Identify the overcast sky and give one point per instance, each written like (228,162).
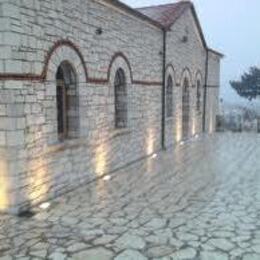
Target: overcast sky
(233,28)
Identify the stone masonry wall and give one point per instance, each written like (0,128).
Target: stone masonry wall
(212,104)
(32,27)
(36,37)
(45,168)
(12,125)
(185,59)
(41,167)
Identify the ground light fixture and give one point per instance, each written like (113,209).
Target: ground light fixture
(154,155)
(107,178)
(45,205)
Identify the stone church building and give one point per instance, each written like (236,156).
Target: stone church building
(89,86)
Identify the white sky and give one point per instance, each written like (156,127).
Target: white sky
(233,28)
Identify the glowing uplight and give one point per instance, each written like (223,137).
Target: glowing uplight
(150,147)
(150,141)
(107,178)
(178,126)
(178,134)
(211,124)
(4,185)
(193,127)
(38,180)
(39,177)
(45,205)
(101,159)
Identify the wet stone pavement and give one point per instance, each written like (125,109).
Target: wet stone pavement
(200,200)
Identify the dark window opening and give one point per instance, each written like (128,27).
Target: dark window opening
(198,105)
(67,102)
(185,109)
(120,99)
(169,97)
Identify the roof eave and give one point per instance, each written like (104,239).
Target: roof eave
(168,27)
(199,26)
(194,13)
(135,12)
(221,55)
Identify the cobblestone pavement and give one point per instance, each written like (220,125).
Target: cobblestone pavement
(198,201)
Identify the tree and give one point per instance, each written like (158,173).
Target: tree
(249,85)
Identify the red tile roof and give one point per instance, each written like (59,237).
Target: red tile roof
(166,14)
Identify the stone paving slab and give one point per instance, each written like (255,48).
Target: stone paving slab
(200,200)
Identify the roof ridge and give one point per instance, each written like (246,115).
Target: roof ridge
(164,5)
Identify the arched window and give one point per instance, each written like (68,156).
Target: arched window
(169,97)
(120,99)
(186,85)
(198,96)
(67,102)
(185,109)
